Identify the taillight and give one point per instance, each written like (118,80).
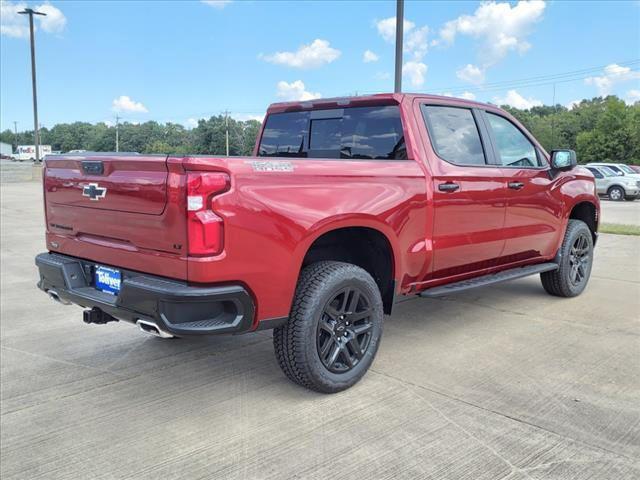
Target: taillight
(205,229)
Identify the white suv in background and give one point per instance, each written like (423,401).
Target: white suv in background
(614,185)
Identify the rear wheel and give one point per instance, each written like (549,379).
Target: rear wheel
(334,328)
(616,194)
(576,258)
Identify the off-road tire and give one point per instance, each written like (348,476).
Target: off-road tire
(296,342)
(558,282)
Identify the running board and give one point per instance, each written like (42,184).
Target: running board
(490,279)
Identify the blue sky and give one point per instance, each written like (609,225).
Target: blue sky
(179,61)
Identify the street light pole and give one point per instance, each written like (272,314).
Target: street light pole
(117,133)
(31,13)
(399,35)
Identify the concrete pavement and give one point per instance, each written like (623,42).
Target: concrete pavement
(626,213)
(502,382)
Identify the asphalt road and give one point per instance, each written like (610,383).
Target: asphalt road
(503,382)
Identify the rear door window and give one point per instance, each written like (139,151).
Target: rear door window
(368,133)
(454,134)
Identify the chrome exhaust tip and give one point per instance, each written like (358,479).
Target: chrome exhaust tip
(53,295)
(151,328)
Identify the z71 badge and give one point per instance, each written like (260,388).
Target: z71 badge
(271,166)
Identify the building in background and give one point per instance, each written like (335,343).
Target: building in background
(6,150)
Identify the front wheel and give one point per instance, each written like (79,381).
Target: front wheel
(576,259)
(334,328)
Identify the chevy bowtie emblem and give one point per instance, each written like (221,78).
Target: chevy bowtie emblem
(94,191)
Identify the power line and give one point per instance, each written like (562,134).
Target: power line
(555,76)
(534,81)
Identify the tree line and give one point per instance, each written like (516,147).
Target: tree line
(600,129)
(208,137)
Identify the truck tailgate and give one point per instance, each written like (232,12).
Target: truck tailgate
(123,210)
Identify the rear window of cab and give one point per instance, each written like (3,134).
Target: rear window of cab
(369,133)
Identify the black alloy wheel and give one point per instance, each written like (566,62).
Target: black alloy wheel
(344,330)
(579,259)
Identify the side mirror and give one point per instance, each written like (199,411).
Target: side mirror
(563,159)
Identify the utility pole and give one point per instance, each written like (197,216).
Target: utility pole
(36,133)
(226,129)
(15,134)
(117,133)
(399,36)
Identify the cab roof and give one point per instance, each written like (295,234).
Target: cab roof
(364,100)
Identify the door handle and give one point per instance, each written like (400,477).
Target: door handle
(448,187)
(516,185)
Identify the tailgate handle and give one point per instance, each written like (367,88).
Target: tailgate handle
(93,168)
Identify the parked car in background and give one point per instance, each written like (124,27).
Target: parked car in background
(635,168)
(616,187)
(620,168)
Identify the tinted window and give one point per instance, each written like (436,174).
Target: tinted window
(356,132)
(284,135)
(514,149)
(326,134)
(454,134)
(595,172)
(372,132)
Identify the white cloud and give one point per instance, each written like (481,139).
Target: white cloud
(613,74)
(125,104)
(219,4)
(416,43)
(572,104)
(12,24)
(191,123)
(243,117)
(314,55)
(465,95)
(416,72)
(471,73)
(368,56)
(294,91)
(415,39)
(387,28)
(500,27)
(54,22)
(514,99)
(633,96)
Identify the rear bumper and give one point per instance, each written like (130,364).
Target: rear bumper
(174,306)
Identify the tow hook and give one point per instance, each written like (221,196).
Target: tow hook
(95,315)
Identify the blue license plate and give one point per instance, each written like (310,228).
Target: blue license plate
(108,280)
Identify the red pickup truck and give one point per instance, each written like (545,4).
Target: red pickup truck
(346,205)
